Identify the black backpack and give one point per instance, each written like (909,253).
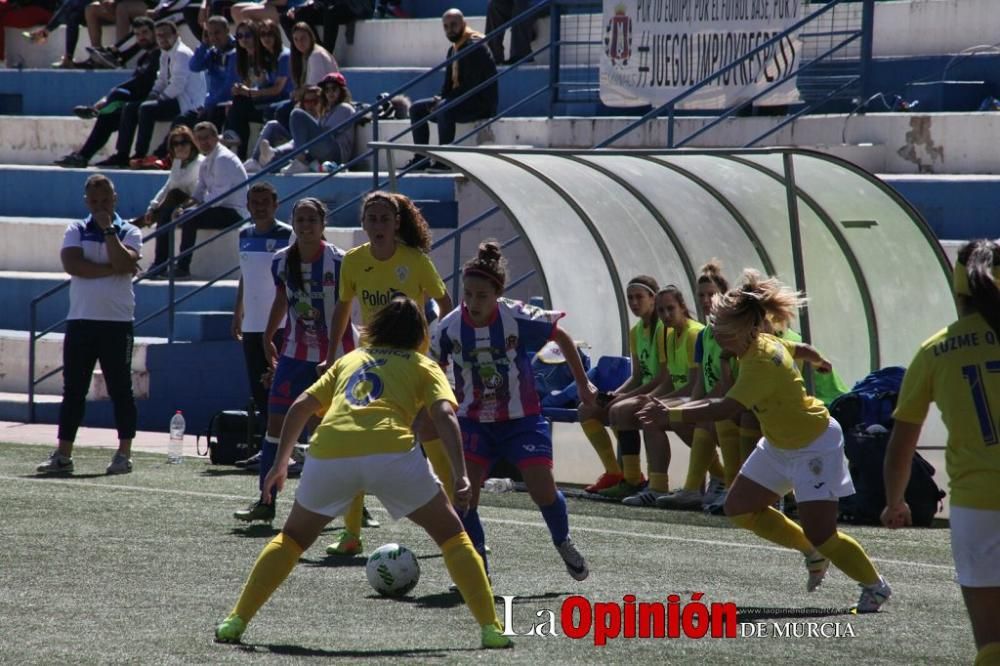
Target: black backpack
(865,457)
(231,435)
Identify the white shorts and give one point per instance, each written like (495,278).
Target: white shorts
(817,472)
(975,545)
(403,482)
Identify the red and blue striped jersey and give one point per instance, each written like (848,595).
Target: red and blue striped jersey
(310,305)
(493,378)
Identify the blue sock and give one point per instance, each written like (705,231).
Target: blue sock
(557,518)
(474,528)
(268,452)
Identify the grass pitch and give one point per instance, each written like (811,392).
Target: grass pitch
(140,568)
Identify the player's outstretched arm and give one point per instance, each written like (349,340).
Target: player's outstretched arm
(896,471)
(442,414)
(295,420)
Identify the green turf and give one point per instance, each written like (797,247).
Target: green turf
(139,568)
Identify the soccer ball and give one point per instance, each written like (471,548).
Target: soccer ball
(393,570)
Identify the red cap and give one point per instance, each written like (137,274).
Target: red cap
(334,77)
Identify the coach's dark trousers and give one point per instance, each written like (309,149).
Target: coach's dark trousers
(88,341)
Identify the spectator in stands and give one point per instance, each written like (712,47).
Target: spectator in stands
(332,150)
(259,239)
(23,14)
(215,56)
(176,192)
(310,63)
(177,90)
(499,12)
(331,14)
(311,100)
(220,172)
(262,67)
(461,76)
(100,253)
(178,11)
(390,9)
(117,12)
(108,109)
(70,13)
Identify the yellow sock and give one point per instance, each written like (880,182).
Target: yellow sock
(748,442)
(702,450)
(466,569)
(775,527)
(714,466)
(728,434)
(434,448)
(988,656)
(353,517)
(847,555)
(273,565)
(659,481)
(601,441)
(631,469)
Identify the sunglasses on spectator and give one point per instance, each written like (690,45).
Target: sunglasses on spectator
(310,100)
(244,35)
(268,34)
(179,142)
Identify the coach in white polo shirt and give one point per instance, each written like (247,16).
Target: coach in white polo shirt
(220,172)
(259,239)
(100,253)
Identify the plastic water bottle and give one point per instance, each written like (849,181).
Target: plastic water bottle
(175,448)
(498,485)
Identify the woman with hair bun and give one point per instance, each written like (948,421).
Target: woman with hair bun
(491,341)
(959,369)
(802,447)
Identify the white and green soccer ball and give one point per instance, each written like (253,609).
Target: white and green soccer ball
(393,570)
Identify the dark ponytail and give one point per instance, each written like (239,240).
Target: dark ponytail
(294,265)
(489,263)
(981,259)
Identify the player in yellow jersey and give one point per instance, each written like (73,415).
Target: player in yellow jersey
(802,447)
(959,369)
(393,261)
(364,442)
(648,372)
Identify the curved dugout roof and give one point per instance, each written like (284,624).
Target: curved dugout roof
(877,279)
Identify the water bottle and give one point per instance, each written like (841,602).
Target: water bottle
(175,448)
(498,485)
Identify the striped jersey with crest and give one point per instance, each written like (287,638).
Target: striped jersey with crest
(493,378)
(310,305)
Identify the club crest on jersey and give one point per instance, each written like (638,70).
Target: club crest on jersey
(328,280)
(511,342)
(270,244)
(402,272)
(816,466)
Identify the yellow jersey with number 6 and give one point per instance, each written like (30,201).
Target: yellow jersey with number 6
(959,369)
(369,399)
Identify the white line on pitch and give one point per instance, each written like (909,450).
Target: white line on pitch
(501,521)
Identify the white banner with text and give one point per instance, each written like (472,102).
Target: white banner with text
(655,50)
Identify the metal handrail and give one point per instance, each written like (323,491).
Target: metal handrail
(373,110)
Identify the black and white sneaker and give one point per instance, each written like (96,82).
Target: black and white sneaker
(575,564)
(56,464)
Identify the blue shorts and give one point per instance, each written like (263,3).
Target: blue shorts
(523,442)
(291,378)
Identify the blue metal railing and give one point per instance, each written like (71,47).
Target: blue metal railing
(555,86)
(373,111)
